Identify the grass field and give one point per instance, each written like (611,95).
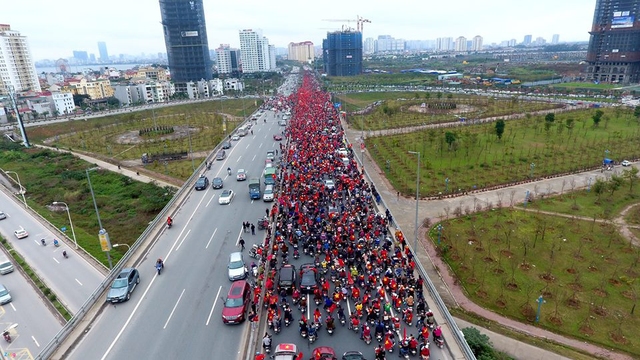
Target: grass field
(473,157)
(587,274)
(404,109)
(585,85)
(126,206)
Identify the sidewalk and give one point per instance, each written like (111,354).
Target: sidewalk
(403,210)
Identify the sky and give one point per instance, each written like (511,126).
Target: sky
(56,28)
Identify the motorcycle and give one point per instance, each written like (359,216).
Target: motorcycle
(64,253)
(439,342)
(253,252)
(56,243)
(159,267)
(276,326)
(312,338)
(7,336)
(367,339)
(343,319)
(44,243)
(169,224)
(296,254)
(287,322)
(263,223)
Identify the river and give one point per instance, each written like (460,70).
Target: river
(80,68)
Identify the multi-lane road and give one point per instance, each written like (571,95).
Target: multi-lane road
(178,314)
(72,279)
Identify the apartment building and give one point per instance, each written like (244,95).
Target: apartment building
(17,69)
(255,52)
(96,89)
(228,59)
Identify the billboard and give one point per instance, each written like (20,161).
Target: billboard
(622,19)
(189,33)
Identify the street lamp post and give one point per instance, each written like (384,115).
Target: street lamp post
(540,301)
(532,167)
(102,234)
(127,245)
(73,232)
(446,185)
(415,241)
(589,184)
(439,233)
(22,190)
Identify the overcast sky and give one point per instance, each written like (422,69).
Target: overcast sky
(57,27)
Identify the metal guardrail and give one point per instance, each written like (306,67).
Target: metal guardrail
(66,330)
(457,334)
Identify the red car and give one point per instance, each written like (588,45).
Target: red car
(237,302)
(323,353)
(277,137)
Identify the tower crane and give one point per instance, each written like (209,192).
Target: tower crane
(359,22)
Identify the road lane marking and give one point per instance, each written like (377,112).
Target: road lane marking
(35,341)
(254,158)
(248,145)
(239,237)
(13,307)
(56,260)
(214,305)
(182,240)
(308,307)
(239,158)
(174,309)
(211,238)
(78,281)
(212,197)
(260,145)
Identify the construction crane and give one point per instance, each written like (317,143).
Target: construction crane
(359,22)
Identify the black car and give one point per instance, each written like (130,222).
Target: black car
(221,155)
(216,183)
(353,355)
(308,278)
(202,183)
(123,285)
(287,278)
(226,145)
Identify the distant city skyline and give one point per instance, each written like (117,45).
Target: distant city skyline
(53,30)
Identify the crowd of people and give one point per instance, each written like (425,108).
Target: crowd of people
(366,273)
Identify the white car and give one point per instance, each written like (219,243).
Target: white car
(626,163)
(329,184)
(226,197)
(235,137)
(241,175)
(2,215)
(21,233)
(343,152)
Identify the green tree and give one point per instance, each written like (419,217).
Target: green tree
(597,117)
(450,138)
(636,111)
(479,344)
(439,95)
(550,117)
(113,102)
(631,175)
(569,124)
(599,187)
(45,114)
(614,183)
(500,124)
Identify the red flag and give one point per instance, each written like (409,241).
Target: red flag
(405,333)
(349,279)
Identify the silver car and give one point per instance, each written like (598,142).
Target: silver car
(5,296)
(237,270)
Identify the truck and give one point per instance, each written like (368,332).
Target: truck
(270,176)
(254,189)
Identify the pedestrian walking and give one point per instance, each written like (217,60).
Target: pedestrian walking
(253,229)
(241,243)
(267,211)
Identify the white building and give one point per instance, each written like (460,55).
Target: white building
(555,39)
(301,51)
(16,64)
(461,44)
(228,59)
(255,52)
(476,44)
(444,44)
(369,46)
(62,103)
(150,92)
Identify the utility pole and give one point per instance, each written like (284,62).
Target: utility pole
(14,102)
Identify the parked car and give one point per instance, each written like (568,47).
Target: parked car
(21,233)
(236,303)
(217,183)
(2,215)
(202,183)
(236,269)
(626,163)
(226,145)
(235,138)
(123,285)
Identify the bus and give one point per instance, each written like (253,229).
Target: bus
(242,131)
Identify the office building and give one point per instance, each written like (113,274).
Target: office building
(342,53)
(387,43)
(302,51)
(17,69)
(228,59)
(185,37)
(102,50)
(527,40)
(555,39)
(255,53)
(80,56)
(369,46)
(476,43)
(614,44)
(461,44)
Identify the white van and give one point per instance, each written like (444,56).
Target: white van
(268,193)
(6,266)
